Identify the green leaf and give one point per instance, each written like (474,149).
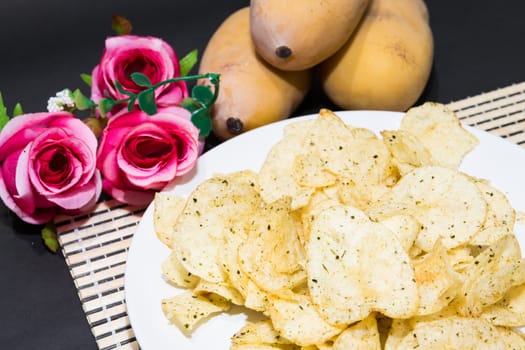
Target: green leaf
(121,25)
(147,101)
(4,118)
(190,104)
(50,238)
(18,110)
(105,105)
(86,78)
(201,119)
(188,62)
(140,79)
(82,102)
(121,89)
(131,103)
(202,93)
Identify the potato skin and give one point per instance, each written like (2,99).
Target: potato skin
(386,63)
(252,93)
(299,34)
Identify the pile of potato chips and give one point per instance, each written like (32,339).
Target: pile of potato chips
(345,239)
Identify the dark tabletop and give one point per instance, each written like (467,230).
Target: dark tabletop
(45,45)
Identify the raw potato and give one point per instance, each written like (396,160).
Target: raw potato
(252,93)
(298,34)
(386,63)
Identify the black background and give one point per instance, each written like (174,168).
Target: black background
(45,45)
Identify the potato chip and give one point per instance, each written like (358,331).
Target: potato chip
(441,132)
(430,194)
(405,227)
(509,311)
(216,208)
(398,330)
(166,209)
(272,255)
(437,281)
(175,273)
(222,289)
(264,347)
(349,277)
(344,240)
(494,271)
(260,332)
(297,320)
(274,178)
(187,310)
(360,336)
(256,299)
(500,218)
(407,150)
(459,333)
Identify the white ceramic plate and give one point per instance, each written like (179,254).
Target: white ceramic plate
(496,159)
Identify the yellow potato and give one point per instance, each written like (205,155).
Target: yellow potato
(386,63)
(252,92)
(294,35)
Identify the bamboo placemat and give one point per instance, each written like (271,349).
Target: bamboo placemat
(95,246)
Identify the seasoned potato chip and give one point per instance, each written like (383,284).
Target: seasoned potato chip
(175,273)
(441,132)
(509,311)
(436,279)
(297,320)
(493,272)
(264,347)
(500,218)
(274,178)
(256,298)
(216,208)
(405,227)
(345,240)
(430,194)
(222,289)
(459,333)
(349,277)
(360,336)
(187,309)
(398,330)
(260,332)
(166,209)
(272,255)
(407,150)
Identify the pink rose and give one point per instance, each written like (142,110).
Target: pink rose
(139,153)
(128,54)
(48,166)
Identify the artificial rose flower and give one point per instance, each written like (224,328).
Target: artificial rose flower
(48,166)
(139,153)
(127,54)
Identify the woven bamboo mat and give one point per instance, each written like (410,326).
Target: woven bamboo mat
(95,246)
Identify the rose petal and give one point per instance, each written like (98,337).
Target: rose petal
(43,215)
(77,197)
(24,192)
(130,196)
